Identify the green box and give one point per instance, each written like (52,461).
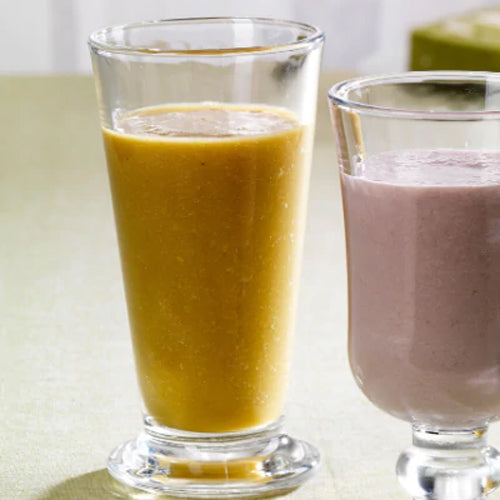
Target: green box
(467,42)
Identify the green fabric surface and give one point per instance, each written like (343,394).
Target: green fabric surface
(68,394)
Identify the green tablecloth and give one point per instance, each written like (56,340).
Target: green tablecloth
(67,382)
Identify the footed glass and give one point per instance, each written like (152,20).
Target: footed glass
(419,158)
(208,127)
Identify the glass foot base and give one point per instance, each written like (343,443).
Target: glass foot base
(449,465)
(192,465)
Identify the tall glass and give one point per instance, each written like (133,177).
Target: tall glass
(419,157)
(208,127)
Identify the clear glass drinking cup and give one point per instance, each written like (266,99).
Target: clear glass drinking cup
(208,127)
(419,158)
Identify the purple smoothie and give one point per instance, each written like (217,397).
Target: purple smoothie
(423,245)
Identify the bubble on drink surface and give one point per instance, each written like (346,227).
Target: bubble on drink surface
(440,167)
(210,121)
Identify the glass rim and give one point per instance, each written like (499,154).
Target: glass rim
(338,95)
(98,39)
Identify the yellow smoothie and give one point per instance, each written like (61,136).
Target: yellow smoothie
(209,202)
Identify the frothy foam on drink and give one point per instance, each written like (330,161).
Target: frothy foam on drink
(209,121)
(433,168)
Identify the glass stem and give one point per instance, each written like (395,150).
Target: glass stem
(449,465)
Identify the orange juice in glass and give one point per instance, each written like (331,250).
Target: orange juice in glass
(207,128)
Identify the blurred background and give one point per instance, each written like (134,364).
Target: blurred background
(363,36)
